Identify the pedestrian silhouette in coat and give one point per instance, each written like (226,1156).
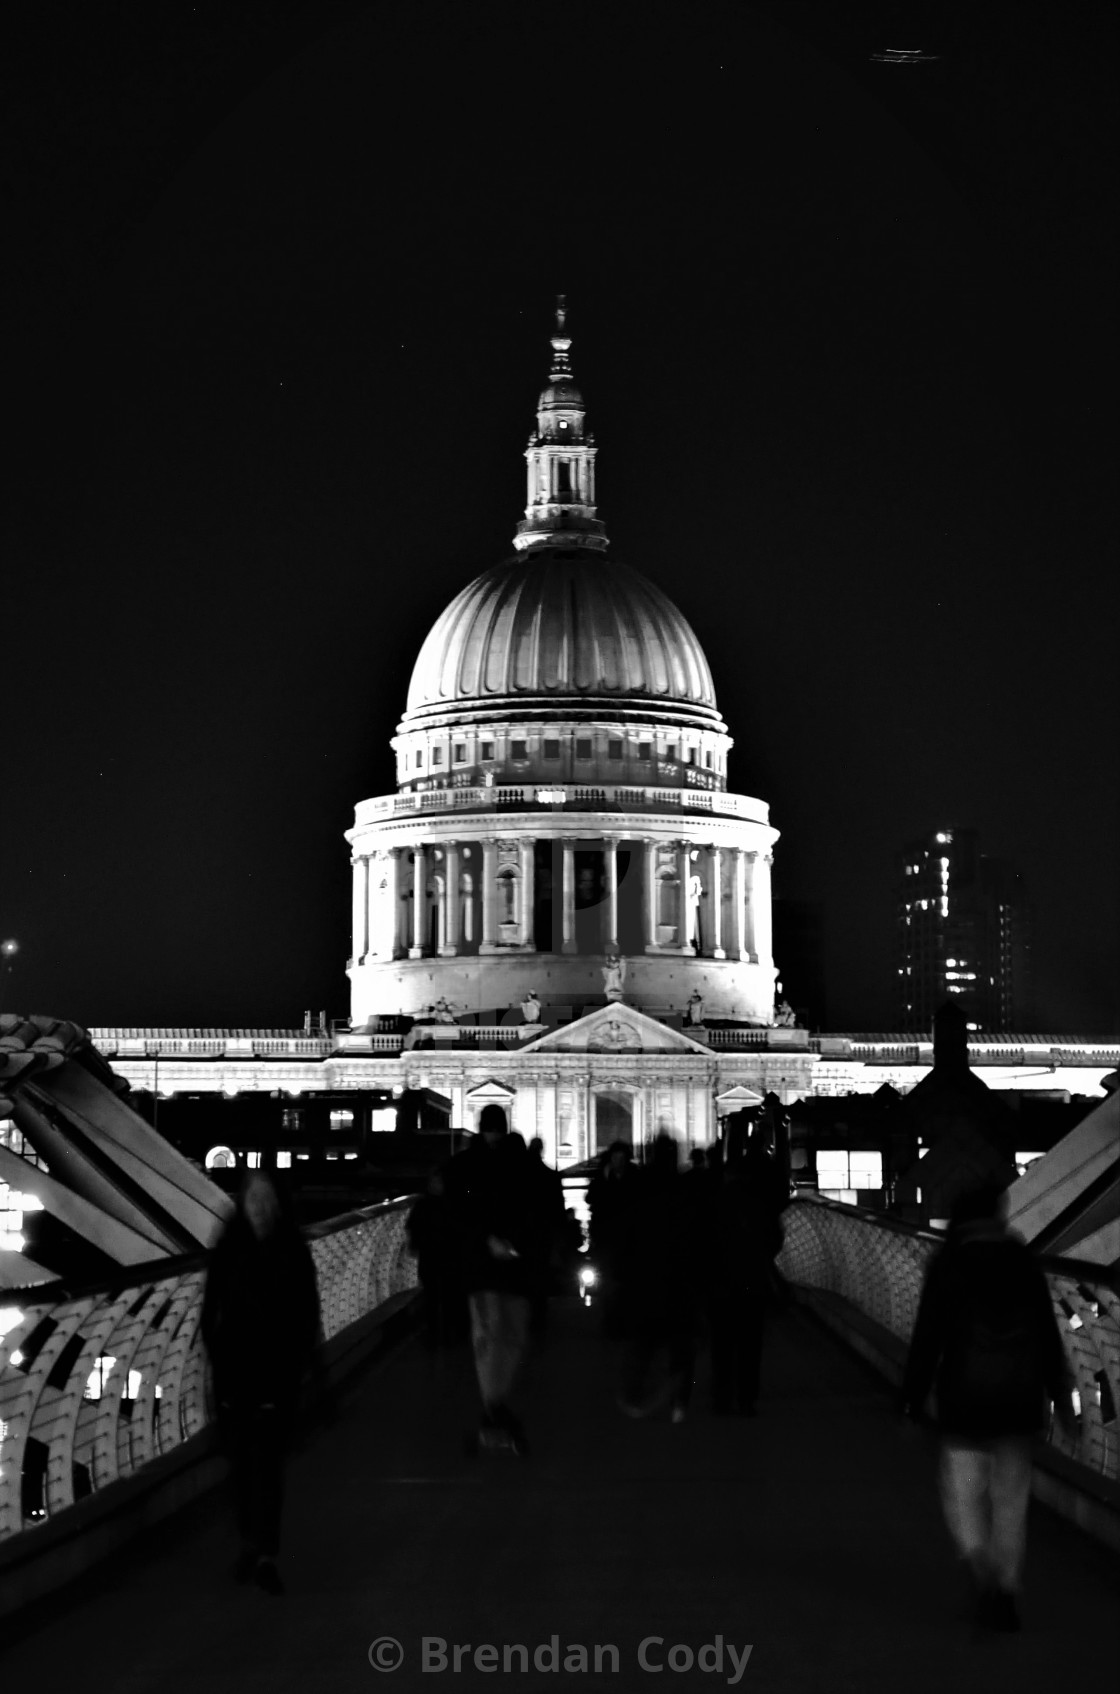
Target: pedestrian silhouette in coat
(261,1326)
(986,1341)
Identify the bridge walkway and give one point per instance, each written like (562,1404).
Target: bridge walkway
(811,1533)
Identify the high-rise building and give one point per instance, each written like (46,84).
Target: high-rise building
(963,934)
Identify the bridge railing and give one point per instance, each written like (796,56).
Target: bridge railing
(98,1383)
(879,1266)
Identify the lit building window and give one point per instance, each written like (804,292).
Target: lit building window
(840,1172)
(342,1120)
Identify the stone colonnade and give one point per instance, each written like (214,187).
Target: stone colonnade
(489,883)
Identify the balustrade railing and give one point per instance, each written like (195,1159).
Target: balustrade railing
(96,1384)
(149,1044)
(879,1265)
(554,796)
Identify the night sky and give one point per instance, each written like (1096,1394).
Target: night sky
(280,291)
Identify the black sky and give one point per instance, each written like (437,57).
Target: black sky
(279,314)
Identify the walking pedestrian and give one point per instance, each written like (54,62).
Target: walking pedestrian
(987,1342)
(610,1194)
(744,1236)
(660,1265)
(261,1326)
(491,1186)
(550,1229)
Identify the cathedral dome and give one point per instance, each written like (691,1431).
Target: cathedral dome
(557,627)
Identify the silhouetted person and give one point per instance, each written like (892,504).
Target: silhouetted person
(987,1342)
(660,1268)
(547,1201)
(260,1325)
(610,1194)
(741,1242)
(491,1186)
(433,1238)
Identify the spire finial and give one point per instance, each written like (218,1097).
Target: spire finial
(561,341)
(561,459)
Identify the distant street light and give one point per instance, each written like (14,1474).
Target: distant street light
(8,950)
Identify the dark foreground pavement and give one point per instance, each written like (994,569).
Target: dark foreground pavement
(810,1534)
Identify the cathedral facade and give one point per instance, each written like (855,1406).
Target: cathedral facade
(563,840)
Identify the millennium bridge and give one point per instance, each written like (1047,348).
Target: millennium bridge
(618,1550)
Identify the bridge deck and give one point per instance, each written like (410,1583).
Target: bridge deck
(811,1533)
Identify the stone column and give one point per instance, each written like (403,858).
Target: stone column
(419,901)
(527,894)
(489,940)
(750,939)
(359,920)
(450,900)
(568,894)
(684,871)
(740,903)
(762,944)
(392,913)
(649,894)
(610,856)
(715,895)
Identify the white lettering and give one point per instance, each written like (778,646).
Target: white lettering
(486,1658)
(680,1657)
(613,1651)
(507,1656)
(433,1653)
(460,1654)
(575,1658)
(552,1651)
(650,1641)
(740,1663)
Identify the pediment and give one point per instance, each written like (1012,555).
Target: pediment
(490,1090)
(617,1028)
(739,1098)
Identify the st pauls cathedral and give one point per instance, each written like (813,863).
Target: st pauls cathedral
(563,843)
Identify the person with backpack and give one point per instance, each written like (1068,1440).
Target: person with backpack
(987,1342)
